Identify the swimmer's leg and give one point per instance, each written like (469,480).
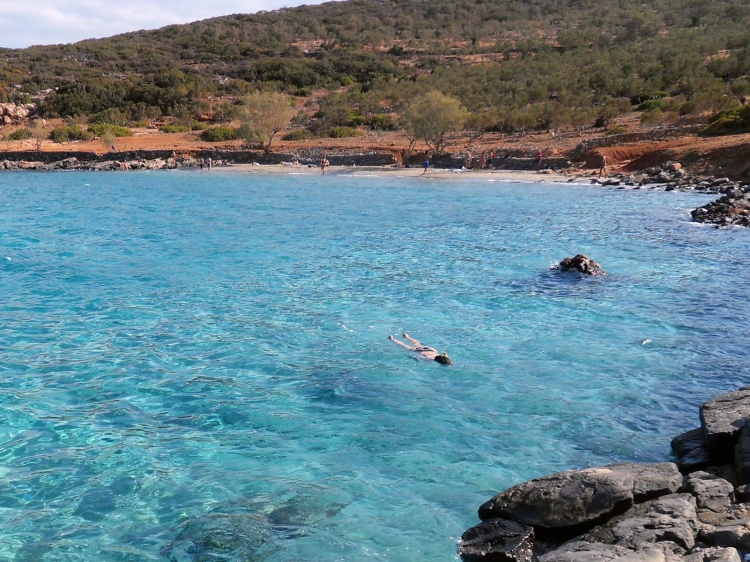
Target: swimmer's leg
(411,339)
(402,344)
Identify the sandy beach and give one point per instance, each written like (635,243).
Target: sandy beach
(389,171)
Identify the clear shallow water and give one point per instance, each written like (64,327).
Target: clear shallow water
(195,367)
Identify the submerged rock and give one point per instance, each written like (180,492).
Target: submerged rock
(582,264)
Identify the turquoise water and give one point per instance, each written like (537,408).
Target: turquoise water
(195,366)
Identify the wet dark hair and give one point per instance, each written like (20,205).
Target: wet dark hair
(444,360)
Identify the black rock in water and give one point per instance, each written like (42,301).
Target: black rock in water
(731,209)
(497,540)
(582,264)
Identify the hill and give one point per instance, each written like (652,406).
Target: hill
(516,64)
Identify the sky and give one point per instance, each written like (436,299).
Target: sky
(45,22)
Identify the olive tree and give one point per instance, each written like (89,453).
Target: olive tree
(264,115)
(434,117)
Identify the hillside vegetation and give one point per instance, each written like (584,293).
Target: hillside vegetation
(514,64)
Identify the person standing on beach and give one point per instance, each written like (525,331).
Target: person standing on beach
(426,163)
(209,163)
(539,158)
(324,163)
(603,165)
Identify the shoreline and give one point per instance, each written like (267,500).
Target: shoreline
(696,509)
(391,171)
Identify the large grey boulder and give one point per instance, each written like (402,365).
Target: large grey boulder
(713,554)
(691,451)
(670,520)
(735,534)
(711,492)
(568,503)
(722,418)
(497,540)
(599,552)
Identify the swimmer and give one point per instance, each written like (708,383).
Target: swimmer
(425,351)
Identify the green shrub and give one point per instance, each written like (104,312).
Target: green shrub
(174,128)
(20,134)
(729,122)
(651,105)
(357,121)
(139,124)
(617,130)
(652,117)
(298,135)
(644,97)
(198,126)
(219,134)
(383,123)
(100,129)
(110,116)
(72,133)
(344,132)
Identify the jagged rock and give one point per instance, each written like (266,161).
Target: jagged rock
(722,418)
(690,451)
(69,163)
(598,552)
(713,554)
(662,177)
(571,502)
(742,454)
(735,535)
(742,493)
(674,166)
(581,264)
(712,494)
(497,540)
(672,520)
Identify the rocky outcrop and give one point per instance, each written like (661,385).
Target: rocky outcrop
(563,505)
(633,512)
(733,208)
(722,418)
(581,264)
(12,114)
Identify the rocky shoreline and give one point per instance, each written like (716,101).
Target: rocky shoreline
(733,208)
(694,510)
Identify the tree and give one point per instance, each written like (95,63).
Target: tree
(265,114)
(39,132)
(108,140)
(433,117)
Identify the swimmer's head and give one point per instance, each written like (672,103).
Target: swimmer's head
(444,359)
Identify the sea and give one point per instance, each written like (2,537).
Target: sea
(196,366)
